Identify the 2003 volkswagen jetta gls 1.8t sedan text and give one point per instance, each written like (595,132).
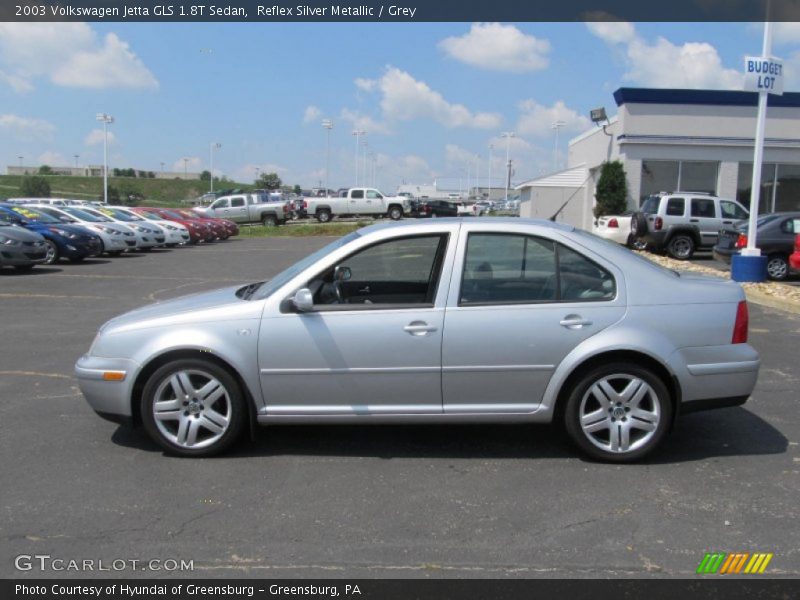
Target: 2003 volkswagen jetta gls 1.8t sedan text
(447,321)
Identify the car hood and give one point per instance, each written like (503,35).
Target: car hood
(216,305)
(19,234)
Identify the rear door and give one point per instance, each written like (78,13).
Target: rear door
(356,202)
(238,209)
(703,213)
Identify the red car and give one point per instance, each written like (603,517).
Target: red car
(230,228)
(794,257)
(198,231)
(218,232)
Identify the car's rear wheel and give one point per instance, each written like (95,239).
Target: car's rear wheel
(681,247)
(618,412)
(777,267)
(51,257)
(193,407)
(323,215)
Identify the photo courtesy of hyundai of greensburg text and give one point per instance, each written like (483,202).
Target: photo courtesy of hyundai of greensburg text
(399,301)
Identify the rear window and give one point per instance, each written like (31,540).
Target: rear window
(676,207)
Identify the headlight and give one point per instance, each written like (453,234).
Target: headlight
(171,228)
(8,241)
(63,233)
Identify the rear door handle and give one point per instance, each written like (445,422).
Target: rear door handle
(574,322)
(419,328)
(694,220)
(364,290)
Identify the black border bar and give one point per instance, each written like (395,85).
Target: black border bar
(380,10)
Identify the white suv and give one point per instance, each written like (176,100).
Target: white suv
(682,222)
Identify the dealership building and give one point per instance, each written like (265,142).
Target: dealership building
(671,139)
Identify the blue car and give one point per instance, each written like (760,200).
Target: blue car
(63,241)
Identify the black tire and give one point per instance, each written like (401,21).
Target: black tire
(52,253)
(238,407)
(269,221)
(777,267)
(638,224)
(324,215)
(24,268)
(681,246)
(395,213)
(582,398)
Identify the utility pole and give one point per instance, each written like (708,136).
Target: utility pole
(489,195)
(328,125)
(557,125)
(508,135)
(106,120)
(357,133)
(211,163)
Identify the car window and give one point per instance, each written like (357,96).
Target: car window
(502,268)
(676,207)
(236,202)
(372,194)
(790,226)
(703,208)
(398,271)
(221,203)
(650,205)
(731,210)
(357,194)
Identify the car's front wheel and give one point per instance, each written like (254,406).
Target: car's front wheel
(777,267)
(395,213)
(52,255)
(680,247)
(193,407)
(618,412)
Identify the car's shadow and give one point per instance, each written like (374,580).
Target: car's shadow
(726,432)
(37,270)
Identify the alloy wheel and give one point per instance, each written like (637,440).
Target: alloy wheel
(620,413)
(777,268)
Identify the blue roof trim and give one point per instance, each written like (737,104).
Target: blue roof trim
(707,97)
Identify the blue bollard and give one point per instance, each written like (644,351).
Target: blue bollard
(749,268)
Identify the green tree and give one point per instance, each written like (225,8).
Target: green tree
(205,176)
(113,195)
(612,190)
(297,189)
(35,187)
(45,170)
(269,181)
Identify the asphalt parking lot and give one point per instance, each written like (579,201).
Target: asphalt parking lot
(388,501)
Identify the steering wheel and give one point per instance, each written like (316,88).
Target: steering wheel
(337,290)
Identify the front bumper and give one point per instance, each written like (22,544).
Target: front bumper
(80,248)
(107,397)
(26,253)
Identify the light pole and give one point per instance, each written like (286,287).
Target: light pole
(213,145)
(508,135)
(77,156)
(162,167)
(328,125)
(106,120)
(358,133)
(185,168)
(258,170)
(365,144)
(478,194)
(489,195)
(557,125)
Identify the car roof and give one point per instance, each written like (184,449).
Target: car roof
(420,224)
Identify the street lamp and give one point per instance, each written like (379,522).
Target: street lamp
(489,195)
(77,156)
(557,125)
(365,143)
(508,135)
(358,133)
(162,167)
(213,145)
(258,171)
(328,125)
(185,168)
(106,120)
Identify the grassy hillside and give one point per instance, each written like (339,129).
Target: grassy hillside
(160,192)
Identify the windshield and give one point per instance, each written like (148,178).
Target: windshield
(85,215)
(760,222)
(174,215)
(151,216)
(119,215)
(269,287)
(31,214)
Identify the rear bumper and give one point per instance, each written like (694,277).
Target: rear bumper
(723,254)
(613,235)
(711,403)
(655,239)
(715,376)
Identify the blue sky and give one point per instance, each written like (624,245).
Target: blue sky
(432,97)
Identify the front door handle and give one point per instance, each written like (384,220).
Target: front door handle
(419,328)
(574,322)
(694,220)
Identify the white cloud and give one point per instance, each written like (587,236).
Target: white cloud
(247,172)
(364,122)
(95,137)
(664,64)
(537,120)
(312,113)
(193,164)
(391,170)
(68,54)
(404,98)
(457,157)
(498,47)
(26,128)
(52,159)
(365,85)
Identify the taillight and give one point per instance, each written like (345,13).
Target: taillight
(741,325)
(741,241)
(305,204)
(658,224)
(612,223)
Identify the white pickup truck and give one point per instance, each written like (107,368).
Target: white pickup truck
(357,201)
(247,208)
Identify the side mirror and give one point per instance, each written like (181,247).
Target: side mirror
(303,300)
(342,274)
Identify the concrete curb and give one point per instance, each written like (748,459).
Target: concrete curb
(762,299)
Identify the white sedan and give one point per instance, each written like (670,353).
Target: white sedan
(615,228)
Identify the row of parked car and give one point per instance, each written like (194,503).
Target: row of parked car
(680,223)
(45,230)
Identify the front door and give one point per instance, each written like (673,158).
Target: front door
(703,214)
(522,304)
(372,344)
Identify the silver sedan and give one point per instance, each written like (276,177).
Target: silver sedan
(445,321)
